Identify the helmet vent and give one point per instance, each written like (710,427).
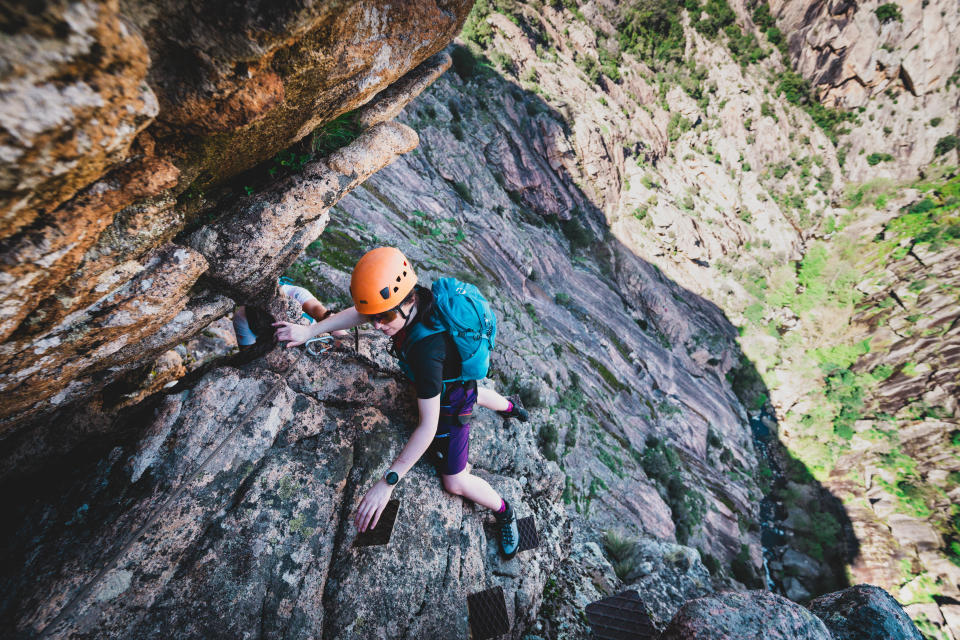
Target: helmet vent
(404,275)
(385,293)
(395,289)
(398,278)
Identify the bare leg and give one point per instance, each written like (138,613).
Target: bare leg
(473,487)
(491,400)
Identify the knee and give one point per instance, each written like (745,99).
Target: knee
(453,485)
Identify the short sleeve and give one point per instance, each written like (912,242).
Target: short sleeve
(299,294)
(426,361)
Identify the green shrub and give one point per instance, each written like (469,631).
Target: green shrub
(775,36)
(797,91)
(876,158)
(710,562)
(935,122)
(659,462)
(889,12)
(762,17)
(570,437)
(463,191)
(754,313)
(588,64)
(719,15)
(652,29)
(677,126)
(945,144)
(502,61)
(576,233)
(464,62)
(743,570)
(476,28)
(825,181)
(548,441)
(743,46)
(609,65)
(335,134)
(621,552)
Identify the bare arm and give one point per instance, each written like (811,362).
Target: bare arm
(295,334)
(315,309)
(346,319)
(377,497)
(422,436)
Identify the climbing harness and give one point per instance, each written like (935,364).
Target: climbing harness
(326,343)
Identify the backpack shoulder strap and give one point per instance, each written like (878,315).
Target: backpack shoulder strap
(418,332)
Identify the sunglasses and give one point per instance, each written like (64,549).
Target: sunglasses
(386,317)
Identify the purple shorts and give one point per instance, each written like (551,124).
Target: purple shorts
(450,447)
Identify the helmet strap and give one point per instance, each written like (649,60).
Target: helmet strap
(409,316)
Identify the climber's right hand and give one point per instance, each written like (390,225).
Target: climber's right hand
(293,334)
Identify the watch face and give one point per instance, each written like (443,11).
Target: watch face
(392,477)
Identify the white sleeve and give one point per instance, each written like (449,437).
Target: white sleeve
(299,294)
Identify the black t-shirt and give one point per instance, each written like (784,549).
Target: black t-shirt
(433,360)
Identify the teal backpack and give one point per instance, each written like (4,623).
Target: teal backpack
(462,311)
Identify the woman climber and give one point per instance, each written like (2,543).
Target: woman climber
(385,292)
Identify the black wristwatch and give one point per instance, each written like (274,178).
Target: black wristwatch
(391,477)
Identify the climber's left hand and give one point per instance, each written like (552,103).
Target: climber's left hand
(372,505)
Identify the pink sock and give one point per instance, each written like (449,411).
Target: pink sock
(509,406)
(503,506)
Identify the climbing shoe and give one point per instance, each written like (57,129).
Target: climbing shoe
(515,411)
(509,532)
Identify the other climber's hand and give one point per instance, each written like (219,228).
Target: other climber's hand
(293,334)
(372,505)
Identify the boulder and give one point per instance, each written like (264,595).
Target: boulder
(666,575)
(746,614)
(800,564)
(864,612)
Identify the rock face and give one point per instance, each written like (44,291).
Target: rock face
(864,612)
(613,388)
(601,217)
(909,314)
(75,97)
(854,52)
(895,65)
(231,510)
(112,110)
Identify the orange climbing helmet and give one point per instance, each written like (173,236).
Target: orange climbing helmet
(381,280)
